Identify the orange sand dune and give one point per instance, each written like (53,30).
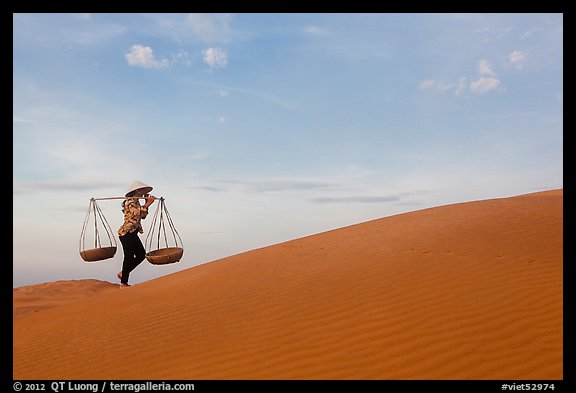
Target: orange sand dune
(465,291)
(35,298)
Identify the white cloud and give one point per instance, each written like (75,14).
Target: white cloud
(211,27)
(143,56)
(439,86)
(461,86)
(444,86)
(315,30)
(517,59)
(215,57)
(485,68)
(181,57)
(427,84)
(486,82)
(530,32)
(484,85)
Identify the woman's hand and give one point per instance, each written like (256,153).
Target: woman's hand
(149,200)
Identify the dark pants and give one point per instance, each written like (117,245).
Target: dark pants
(134,254)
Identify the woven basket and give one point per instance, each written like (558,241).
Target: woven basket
(163,256)
(98,254)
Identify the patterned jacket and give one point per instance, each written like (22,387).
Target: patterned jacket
(133,213)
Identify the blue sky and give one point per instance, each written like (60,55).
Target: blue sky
(261,128)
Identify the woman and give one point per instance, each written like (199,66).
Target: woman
(134,252)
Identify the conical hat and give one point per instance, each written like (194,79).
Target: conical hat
(137,185)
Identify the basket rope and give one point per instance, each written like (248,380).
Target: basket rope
(158,229)
(99,221)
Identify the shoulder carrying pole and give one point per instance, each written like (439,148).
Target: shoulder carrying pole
(102,199)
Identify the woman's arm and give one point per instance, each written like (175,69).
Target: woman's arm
(144,210)
(149,200)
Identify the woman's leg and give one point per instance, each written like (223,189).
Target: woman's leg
(139,252)
(129,250)
(134,254)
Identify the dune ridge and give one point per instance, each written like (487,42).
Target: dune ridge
(464,291)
